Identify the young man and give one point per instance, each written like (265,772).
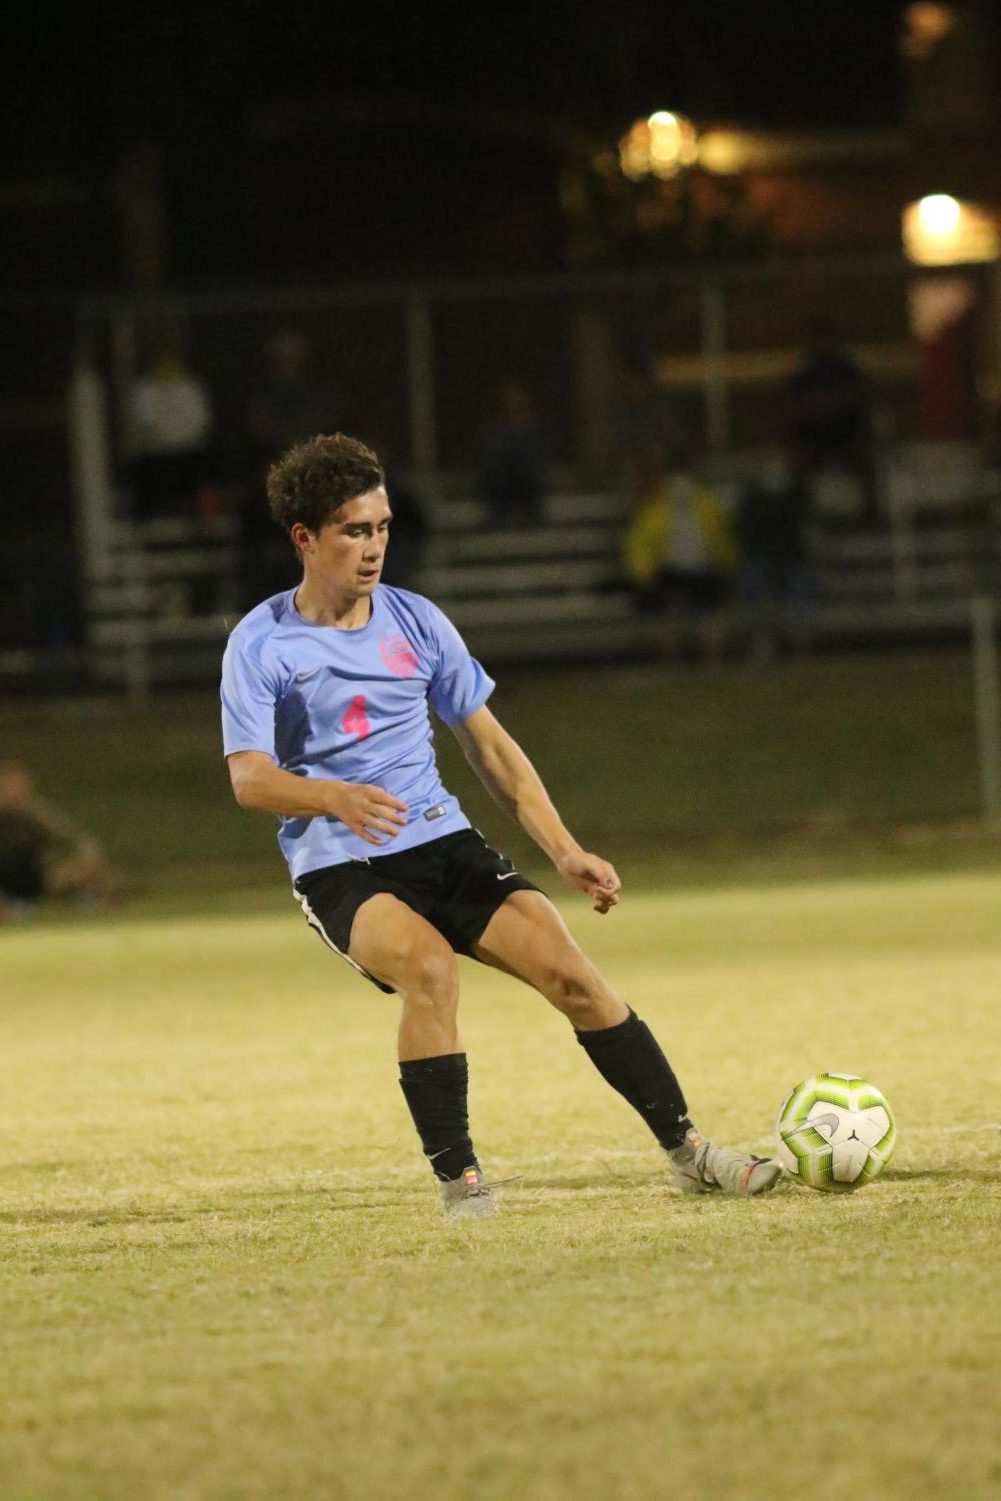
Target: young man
(325,694)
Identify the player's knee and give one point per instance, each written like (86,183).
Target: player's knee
(572,986)
(431,975)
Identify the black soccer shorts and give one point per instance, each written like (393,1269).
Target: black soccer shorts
(456,883)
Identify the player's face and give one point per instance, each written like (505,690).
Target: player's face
(346,555)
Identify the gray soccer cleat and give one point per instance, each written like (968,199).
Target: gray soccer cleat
(466,1198)
(701,1167)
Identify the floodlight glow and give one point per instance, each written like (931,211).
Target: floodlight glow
(723,151)
(661,144)
(939,230)
(927,24)
(939,213)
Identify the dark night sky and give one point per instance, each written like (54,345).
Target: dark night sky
(82,81)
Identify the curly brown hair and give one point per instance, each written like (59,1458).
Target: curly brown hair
(312,480)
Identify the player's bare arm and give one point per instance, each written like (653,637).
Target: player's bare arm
(261,785)
(513,782)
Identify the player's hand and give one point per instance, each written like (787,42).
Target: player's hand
(592,875)
(368,811)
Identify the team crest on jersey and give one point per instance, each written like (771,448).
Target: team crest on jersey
(399,656)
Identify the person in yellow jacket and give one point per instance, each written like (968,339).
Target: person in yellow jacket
(680,555)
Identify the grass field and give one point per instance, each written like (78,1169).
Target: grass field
(224,1277)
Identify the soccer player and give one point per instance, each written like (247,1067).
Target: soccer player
(325,697)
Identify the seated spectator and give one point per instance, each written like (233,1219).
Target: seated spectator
(42,854)
(776,582)
(291,405)
(513,476)
(829,415)
(680,554)
(169,422)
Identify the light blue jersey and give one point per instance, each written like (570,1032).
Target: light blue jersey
(352,706)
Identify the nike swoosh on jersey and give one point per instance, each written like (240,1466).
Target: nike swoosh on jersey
(507,876)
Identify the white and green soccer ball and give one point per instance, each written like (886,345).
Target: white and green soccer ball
(836,1132)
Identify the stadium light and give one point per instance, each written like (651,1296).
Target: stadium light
(939,230)
(939,214)
(926,24)
(659,146)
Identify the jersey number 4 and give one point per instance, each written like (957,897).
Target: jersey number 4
(355,721)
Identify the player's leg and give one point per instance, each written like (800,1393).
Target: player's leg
(404,952)
(527,937)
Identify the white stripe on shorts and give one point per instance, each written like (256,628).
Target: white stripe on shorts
(316,924)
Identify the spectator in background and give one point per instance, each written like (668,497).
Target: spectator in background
(513,474)
(829,415)
(289,407)
(42,854)
(647,424)
(169,421)
(680,553)
(771,528)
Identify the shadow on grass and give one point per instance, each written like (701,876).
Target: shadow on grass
(631,1182)
(228,1207)
(942,1174)
(349,1200)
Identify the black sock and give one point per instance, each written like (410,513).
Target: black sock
(436,1091)
(629,1057)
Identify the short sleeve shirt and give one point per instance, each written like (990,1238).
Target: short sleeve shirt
(352,706)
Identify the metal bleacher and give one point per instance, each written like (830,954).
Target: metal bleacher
(164,600)
(557,591)
(550,591)
(168,589)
